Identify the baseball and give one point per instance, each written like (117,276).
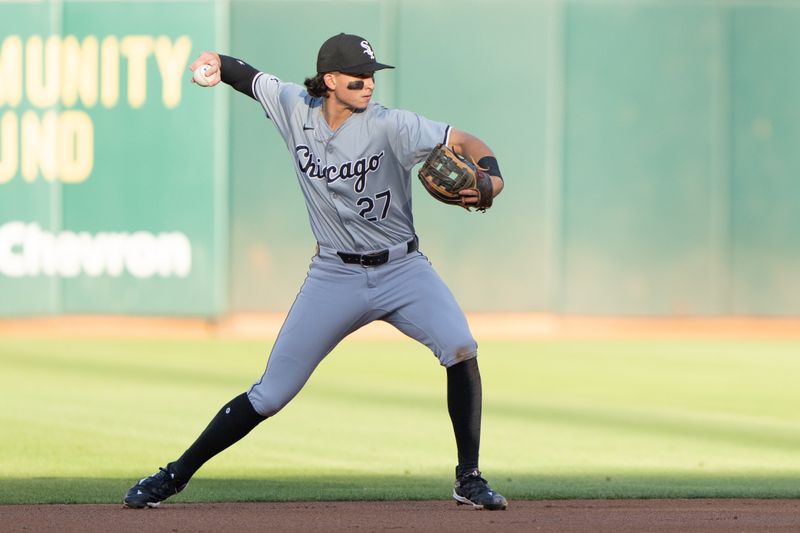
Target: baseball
(199,76)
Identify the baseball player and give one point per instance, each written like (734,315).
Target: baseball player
(353,159)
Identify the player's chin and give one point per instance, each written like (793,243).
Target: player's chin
(363,102)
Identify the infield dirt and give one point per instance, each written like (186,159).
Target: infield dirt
(439,516)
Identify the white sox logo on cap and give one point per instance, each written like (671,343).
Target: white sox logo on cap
(345,53)
(367,49)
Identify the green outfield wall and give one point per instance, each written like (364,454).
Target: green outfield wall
(649,151)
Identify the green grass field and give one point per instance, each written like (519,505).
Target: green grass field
(81,420)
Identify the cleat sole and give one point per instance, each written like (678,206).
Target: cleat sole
(460,500)
(127,505)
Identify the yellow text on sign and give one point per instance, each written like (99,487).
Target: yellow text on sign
(59,146)
(62,70)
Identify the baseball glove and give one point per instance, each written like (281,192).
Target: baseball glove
(445,173)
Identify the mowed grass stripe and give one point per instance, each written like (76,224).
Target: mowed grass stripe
(83,419)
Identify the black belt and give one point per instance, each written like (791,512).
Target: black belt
(375,258)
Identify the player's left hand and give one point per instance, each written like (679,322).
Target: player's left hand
(469,196)
(472,196)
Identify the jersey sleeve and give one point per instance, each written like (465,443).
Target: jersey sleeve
(412,136)
(277,98)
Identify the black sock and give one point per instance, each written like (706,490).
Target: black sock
(464,406)
(232,422)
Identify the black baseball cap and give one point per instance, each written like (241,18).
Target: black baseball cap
(347,53)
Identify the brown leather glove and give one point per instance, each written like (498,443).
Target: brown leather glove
(445,173)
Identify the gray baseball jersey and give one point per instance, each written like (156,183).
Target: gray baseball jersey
(357,187)
(356,180)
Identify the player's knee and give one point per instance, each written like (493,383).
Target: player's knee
(264,403)
(458,353)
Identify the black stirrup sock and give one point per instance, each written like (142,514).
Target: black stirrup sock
(235,420)
(464,406)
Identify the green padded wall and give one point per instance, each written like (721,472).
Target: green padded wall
(648,148)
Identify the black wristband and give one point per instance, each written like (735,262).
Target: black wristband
(489,163)
(238,74)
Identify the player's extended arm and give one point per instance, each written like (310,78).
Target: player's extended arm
(232,71)
(473,148)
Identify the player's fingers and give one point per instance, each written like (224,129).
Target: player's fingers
(469,196)
(213,68)
(206,58)
(201,60)
(214,79)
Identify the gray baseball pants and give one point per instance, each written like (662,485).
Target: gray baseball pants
(337,298)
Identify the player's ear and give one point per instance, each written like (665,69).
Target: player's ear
(330,81)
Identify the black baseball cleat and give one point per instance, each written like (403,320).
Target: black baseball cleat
(472,489)
(151,491)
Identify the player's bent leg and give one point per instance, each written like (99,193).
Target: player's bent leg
(432,316)
(430,313)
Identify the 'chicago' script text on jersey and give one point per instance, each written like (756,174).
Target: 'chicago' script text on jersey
(312,167)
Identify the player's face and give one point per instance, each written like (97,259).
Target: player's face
(354,90)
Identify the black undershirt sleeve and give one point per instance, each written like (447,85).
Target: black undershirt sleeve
(238,75)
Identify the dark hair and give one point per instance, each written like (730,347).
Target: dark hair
(316,86)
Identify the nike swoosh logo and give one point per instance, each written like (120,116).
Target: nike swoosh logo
(306,128)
